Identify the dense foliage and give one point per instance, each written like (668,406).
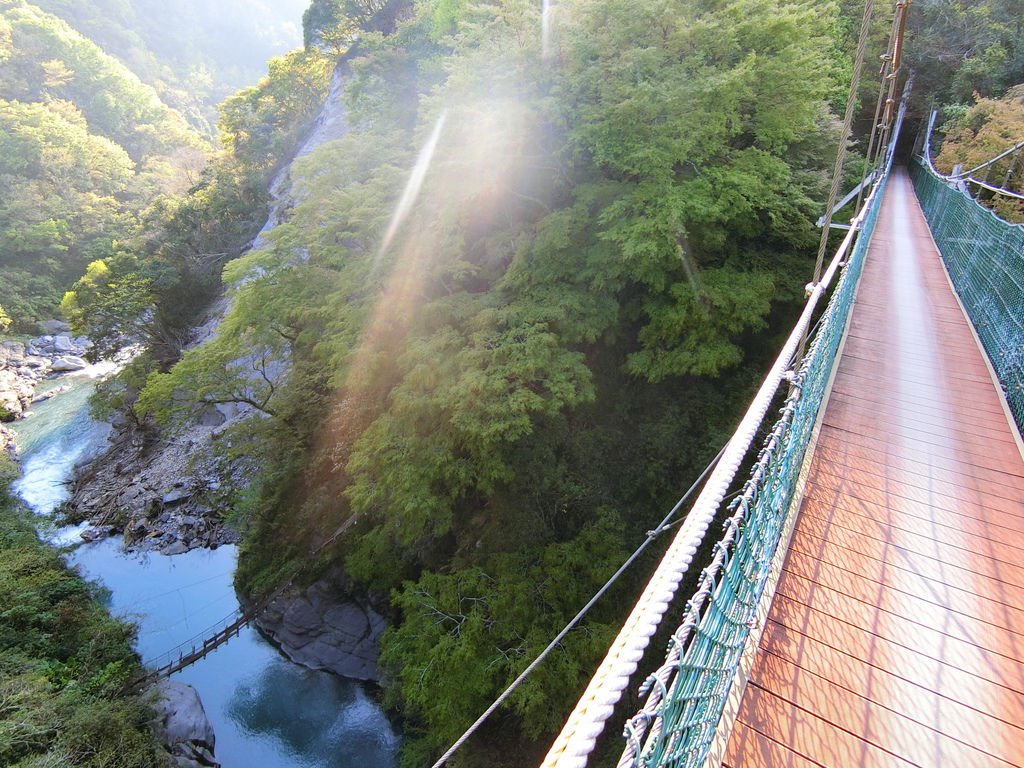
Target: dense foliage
(85,147)
(961,48)
(973,136)
(195,53)
(63,661)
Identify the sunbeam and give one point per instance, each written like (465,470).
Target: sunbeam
(415,183)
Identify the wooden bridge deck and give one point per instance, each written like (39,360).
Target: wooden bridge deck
(896,635)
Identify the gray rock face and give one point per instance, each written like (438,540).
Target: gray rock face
(55,326)
(323,627)
(212,417)
(176,496)
(19,375)
(97,533)
(63,344)
(182,725)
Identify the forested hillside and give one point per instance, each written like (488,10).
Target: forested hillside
(86,148)
(105,187)
(99,172)
(195,53)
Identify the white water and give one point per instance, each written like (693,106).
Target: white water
(57,434)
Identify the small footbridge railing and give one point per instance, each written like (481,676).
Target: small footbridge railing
(210,639)
(206,642)
(984,257)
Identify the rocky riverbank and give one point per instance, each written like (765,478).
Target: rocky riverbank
(163,495)
(23,365)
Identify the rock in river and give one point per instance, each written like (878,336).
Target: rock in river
(325,627)
(182,725)
(68,363)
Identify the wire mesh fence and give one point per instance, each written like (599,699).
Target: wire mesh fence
(984,256)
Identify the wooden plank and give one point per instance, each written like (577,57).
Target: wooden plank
(917,678)
(916,450)
(840,546)
(896,636)
(907,548)
(931,422)
(927,601)
(752,749)
(888,712)
(900,496)
(835,451)
(930,572)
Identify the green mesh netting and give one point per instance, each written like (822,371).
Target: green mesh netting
(985,259)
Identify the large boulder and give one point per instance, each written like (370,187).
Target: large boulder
(55,326)
(182,725)
(323,628)
(68,363)
(63,345)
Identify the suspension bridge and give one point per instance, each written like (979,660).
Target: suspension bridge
(865,605)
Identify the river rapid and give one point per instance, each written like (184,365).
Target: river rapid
(265,710)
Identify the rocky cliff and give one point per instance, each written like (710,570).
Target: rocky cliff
(168,493)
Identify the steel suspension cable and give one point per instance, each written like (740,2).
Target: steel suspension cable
(851,103)
(996,159)
(964,177)
(873,155)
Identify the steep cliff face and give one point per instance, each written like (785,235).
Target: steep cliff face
(167,492)
(331,124)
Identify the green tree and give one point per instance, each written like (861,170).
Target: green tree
(61,201)
(959,48)
(332,25)
(261,124)
(464,635)
(978,134)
